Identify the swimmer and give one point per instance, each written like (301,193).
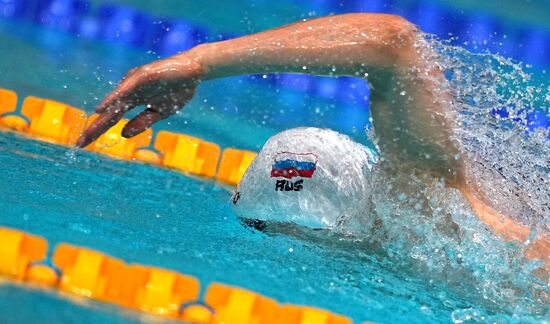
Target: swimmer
(412,108)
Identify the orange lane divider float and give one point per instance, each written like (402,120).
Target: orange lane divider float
(298,314)
(158,291)
(234,164)
(113,144)
(88,273)
(58,123)
(18,250)
(92,274)
(188,154)
(53,121)
(236,305)
(8,105)
(43,119)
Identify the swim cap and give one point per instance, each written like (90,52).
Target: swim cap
(309,176)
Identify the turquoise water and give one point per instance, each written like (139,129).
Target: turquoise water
(159,217)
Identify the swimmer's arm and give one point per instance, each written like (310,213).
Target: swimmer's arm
(506,228)
(352,44)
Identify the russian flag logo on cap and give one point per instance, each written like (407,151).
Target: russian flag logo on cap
(289,165)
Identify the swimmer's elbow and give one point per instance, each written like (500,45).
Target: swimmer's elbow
(403,37)
(396,39)
(395,27)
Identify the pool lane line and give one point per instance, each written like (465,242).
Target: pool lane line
(88,273)
(58,123)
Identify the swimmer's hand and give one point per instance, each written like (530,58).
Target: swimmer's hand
(163,87)
(351,44)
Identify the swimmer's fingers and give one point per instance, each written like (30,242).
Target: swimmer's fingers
(116,95)
(149,81)
(152,85)
(160,108)
(141,122)
(99,126)
(106,119)
(143,83)
(130,87)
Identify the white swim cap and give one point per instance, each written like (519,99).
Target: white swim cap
(309,176)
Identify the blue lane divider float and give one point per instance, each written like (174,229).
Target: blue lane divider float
(123,24)
(13,8)
(428,15)
(481,31)
(340,6)
(327,88)
(134,27)
(129,26)
(89,28)
(297,82)
(536,45)
(354,91)
(377,6)
(62,15)
(177,36)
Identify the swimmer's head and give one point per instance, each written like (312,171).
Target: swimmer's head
(309,176)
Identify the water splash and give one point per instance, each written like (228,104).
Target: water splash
(497,100)
(422,225)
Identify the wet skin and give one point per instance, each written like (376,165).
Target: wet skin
(411,107)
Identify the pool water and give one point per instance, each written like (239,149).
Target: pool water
(159,217)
